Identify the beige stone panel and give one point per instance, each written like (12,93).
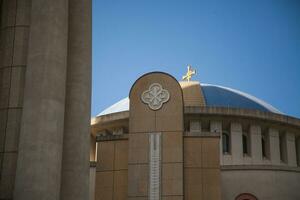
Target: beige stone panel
(23,12)
(5,76)
(169,122)
(172,197)
(172,147)
(105,154)
(211,184)
(192,152)
(141,123)
(9,10)
(13,129)
(17,86)
(210,153)
(120,185)
(3,122)
(121,155)
(138,148)
(138,178)
(193,183)
(20,45)
(7,43)
(192,93)
(172,179)
(104,185)
(8,175)
(137,198)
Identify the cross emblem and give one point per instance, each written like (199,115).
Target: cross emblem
(155,96)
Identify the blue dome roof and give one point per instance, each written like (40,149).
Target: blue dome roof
(217,96)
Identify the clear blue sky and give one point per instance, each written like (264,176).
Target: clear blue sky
(250,45)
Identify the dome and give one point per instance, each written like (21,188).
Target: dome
(215,96)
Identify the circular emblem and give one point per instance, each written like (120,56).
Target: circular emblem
(155,96)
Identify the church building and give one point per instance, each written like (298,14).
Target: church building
(175,140)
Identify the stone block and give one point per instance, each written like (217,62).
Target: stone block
(193,183)
(105,156)
(20,46)
(210,153)
(8,174)
(172,179)
(172,147)
(5,77)
(17,87)
(172,197)
(138,178)
(13,129)
(138,148)
(192,152)
(7,44)
(121,155)
(23,13)
(104,186)
(120,185)
(211,184)
(195,126)
(216,127)
(3,122)
(9,11)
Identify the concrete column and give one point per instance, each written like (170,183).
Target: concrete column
(13,54)
(291,149)
(76,145)
(236,134)
(41,136)
(274,146)
(216,127)
(255,144)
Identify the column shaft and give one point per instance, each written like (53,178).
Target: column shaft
(76,145)
(41,136)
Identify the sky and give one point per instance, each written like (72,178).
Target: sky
(250,45)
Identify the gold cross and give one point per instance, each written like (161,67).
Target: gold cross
(189,73)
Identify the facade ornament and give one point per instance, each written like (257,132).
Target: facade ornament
(155,96)
(189,73)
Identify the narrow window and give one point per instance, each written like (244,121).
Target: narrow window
(225,143)
(282,147)
(263,146)
(245,144)
(297,143)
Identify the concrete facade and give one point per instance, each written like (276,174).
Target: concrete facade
(269,169)
(45,70)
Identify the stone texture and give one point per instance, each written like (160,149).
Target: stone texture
(172,179)
(172,147)
(106,152)
(41,135)
(138,180)
(121,155)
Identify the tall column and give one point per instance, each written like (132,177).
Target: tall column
(274,146)
(41,136)
(76,145)
(236,134)
(256,146)
(13,54)
(291,149)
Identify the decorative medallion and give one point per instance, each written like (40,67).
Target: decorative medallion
(156,96)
